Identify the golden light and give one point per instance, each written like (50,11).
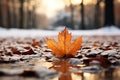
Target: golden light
(89,76)
(75,2)
(50,7)
(118,0)
(89,2)
(43,63)
(76,77)
(56,78)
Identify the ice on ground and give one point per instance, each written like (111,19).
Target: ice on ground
(110,30)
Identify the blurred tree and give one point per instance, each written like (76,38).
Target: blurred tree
(117,12)
(8,14)
(0,13)
(4,12)
(25,12)
(97,14)
(109,13)
(82,15)
(34,14)
(21,13)
(31,7)
(72,14)
(29,14)
(16,13)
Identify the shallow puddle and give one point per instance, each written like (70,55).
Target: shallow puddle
(69,72)
(65,71)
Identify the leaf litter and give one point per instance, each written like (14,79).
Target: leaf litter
(30,57)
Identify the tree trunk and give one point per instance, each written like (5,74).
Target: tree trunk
(82,15)
(21,13)
(12,13)
(97,14)
(8,14)
(26,14)
(4,13)
(0,13)
(34,15)
(29,12)
(109,13)
(15,14)
(72,14)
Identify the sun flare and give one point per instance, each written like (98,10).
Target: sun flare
(51,7)
(76,1)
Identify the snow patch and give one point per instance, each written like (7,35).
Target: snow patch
(110,30)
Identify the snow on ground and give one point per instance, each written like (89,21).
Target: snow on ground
(111,30)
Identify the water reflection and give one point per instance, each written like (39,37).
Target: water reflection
(66,74)
(63,67)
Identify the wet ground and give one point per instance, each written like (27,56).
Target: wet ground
(29,59)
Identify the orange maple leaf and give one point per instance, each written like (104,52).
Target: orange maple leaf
(64,47)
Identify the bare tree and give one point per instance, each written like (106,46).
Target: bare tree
(72,14)
(34,14)
(25,13)
(97,14)
(29,14)
(109,13)
(8,14)
(4,12)
(82,15)
(21,13)
(0,13)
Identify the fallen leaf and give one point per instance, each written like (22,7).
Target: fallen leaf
(35,43)
(28,52)
(100,59)
(64,47)
(103,61)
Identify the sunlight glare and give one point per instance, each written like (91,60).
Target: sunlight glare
(89,2)
(76,1)
(90,76)
(50,7)
(76,77)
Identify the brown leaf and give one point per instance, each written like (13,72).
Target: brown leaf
(35,43)
(15,51)
(29,52)
(100,59)
(64,46)
(103,61)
